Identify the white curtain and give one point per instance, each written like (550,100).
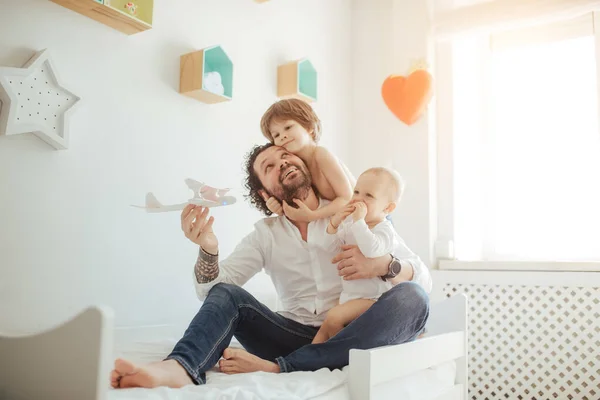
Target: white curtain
(495,15)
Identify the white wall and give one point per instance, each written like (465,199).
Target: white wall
(387,36)
(68,237)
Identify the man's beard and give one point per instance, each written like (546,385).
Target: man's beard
(299,188)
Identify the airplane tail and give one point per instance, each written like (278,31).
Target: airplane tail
(152,201)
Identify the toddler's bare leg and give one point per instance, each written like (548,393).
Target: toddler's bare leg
(322,335)
(340,316)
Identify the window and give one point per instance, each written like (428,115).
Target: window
(525,147)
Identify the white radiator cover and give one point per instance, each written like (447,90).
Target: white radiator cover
(532,335)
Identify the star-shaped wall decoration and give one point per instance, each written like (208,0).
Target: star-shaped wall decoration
(32,99)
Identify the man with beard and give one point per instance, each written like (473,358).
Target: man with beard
(307,284)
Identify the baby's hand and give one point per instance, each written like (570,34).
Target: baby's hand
(272,203)
(360,211)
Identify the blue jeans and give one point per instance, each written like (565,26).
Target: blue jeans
(398,316)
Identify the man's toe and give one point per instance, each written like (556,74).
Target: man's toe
(229,353)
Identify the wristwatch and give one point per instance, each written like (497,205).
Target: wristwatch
(394,269)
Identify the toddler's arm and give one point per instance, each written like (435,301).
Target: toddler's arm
(337,179)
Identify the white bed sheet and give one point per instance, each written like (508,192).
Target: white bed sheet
(318,385)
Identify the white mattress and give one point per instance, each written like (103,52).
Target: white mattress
(322,384)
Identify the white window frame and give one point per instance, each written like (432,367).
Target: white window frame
(443,247)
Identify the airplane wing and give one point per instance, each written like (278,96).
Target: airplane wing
(209,193)
(194,185)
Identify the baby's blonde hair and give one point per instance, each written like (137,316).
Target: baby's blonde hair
(294,109)
(396,182)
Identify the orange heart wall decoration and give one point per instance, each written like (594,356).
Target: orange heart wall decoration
(408,97)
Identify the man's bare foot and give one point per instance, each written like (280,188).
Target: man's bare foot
(237,361)
(165,373)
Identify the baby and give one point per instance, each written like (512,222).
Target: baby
(294,125)
(363,222)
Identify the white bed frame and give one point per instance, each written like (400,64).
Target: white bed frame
(73,361)
(445,340)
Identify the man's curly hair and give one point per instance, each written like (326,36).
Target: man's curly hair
(252,182)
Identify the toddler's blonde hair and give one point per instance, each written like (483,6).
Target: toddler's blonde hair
(397,184)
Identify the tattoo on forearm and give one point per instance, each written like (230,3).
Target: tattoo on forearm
(207,267)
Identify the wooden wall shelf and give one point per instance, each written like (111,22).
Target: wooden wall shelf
(207,75)
(297,79)
(113,17)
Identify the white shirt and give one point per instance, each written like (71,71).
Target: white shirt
(376,242)
(307,283)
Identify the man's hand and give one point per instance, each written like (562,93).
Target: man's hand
(198,229)
(300,214)
(272,203)
(352,264)
(360,211)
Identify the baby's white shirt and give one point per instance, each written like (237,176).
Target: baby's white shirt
(379,241)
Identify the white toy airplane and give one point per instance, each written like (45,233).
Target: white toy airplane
(204,195)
